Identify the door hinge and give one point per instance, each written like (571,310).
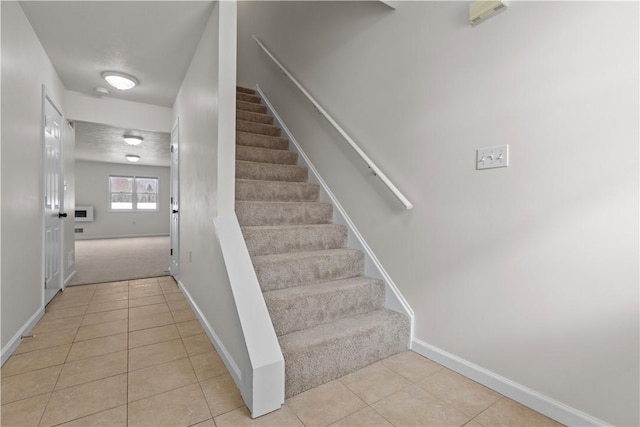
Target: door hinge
(171,251)
(172,148)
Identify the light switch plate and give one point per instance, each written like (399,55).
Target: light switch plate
(492,157)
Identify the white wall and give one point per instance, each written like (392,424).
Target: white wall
(92,189)
(25,68)
(531,271)
(202,269)
(117,112)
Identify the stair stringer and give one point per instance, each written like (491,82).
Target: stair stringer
(394,300)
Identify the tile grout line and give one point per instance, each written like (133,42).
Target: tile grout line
(126,395)
(200,386)
(370,405)
(53,389)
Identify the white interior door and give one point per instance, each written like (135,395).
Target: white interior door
(53,198)
(174,265)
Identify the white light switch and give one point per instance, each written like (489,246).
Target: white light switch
(492,157)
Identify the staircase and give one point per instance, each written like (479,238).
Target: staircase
(330,320)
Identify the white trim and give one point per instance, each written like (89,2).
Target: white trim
(263,389)
(119,236)
(68,279)
(524,395)
(373,268)
(231,365)
(14,342)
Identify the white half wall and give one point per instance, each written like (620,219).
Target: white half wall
(202,269)
(92,189)
(118,112)
(25,68)
(529,272)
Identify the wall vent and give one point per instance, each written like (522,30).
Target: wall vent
(84,214)
(79,230)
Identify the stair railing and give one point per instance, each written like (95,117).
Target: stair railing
(376,170)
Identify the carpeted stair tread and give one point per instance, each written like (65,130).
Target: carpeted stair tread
(250,116)
(247,189)
(262,141)
(245,90)
(259,128)
(270,171)
(329,318)
(247,97)
(249,106)
(323,353)
(265,240)
(283,213)
(280,271)
(266,155)
(304,307)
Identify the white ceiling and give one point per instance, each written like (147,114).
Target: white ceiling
(152,40)
(101,143)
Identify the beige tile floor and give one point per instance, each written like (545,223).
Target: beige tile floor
(132,353)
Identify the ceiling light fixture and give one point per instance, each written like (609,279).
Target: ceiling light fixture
(120,81)
(132,157)
(132,139)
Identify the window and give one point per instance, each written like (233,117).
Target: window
(133,193)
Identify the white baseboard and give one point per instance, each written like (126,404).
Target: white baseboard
(119,236)
(521,394)
(231,365)
(15,341)
(68,279)
(394,300)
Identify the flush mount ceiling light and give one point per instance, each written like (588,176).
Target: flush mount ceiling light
(132,157)
(120,81)
(132,139)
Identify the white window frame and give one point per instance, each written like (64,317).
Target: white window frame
(134,194)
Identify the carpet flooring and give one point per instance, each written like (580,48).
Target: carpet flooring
(329,318)
(112,260)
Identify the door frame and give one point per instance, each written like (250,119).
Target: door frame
(49,293)
(174,179)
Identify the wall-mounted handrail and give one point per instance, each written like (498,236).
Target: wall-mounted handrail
(376,171)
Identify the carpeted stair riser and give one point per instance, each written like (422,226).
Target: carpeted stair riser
(329,318)
(318,355)
(270,172)
(265,155)
(261,141)
(281,271)
(245,90)
(303,307)
(265,240)
(249,116)
(283,213)
(247,97)
(258,128)
(250,106)
(276,191)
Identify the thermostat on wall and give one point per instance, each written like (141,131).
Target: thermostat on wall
(481,10)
